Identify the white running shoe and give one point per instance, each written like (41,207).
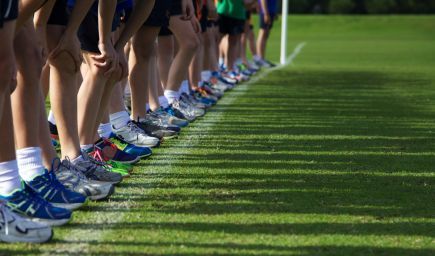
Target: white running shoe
(15,229)
(136,136)
(76,181)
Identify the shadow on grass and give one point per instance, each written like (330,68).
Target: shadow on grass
(311,142)
(250,249)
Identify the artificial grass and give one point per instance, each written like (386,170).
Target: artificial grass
(330,156)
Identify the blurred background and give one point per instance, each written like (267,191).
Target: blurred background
(362,6)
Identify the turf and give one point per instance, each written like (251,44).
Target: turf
(332,155)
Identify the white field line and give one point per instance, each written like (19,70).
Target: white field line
(78,240)
(295,53)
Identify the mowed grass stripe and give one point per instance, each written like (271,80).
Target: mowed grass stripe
(82,236)
(330,157)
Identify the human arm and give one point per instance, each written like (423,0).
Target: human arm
(108,57)
(266,13)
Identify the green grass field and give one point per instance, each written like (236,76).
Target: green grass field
(332,155)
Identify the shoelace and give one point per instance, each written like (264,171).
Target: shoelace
(54,182)
(98,155)
(38,201)
(94,163)
(133,128)
(68,165)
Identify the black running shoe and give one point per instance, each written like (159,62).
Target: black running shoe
(155,130)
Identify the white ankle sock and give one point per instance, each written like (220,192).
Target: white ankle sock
(30,163)
(127,90)
(119,119)
(221,61)
(104,130)
(206,75)
(9,177)
(163,101)
(147,107)
(51,117)
(184,87)
(171,96)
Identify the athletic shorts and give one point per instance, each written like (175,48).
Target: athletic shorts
(125,15)
(230,26)
(204,19)
(165,31)
(175,8)
(88,31)
(248,15)
(159,16)
(212,23)
(60,14)
(265,26)
(8,11)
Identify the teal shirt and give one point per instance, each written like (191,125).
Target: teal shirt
(232,8)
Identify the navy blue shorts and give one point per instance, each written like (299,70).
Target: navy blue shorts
(204,18)
(230,26)
(265,26)
(8,10)
(88,31)
(175,8)
(60,14)
(165,31)
(159,16)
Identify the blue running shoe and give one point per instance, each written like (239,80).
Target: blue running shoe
(50,189)
(175,112)
(141,152)
(28,203)
(111,152)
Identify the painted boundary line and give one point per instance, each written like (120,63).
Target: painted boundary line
(79,240)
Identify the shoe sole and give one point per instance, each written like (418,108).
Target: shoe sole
(171,137)
(69,206)
(103,196)
(20,239)
(51,223)
(137,159)
(145,156)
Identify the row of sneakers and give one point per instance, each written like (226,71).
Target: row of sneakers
(27,214)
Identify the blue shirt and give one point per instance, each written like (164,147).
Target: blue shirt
(271,6)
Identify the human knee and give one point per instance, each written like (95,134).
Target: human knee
(64,62)
(143,51)
(190,45)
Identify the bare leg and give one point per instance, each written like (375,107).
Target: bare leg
(262,42)
(90,96)
(154,83)
(212,50)
(165,57)
(196,64)
(244,42)
(27,101)
(7,76)
(7,150)
(116,102)
(26,97)
(187,44)
(141,56)
(63,91)
(233,50)
(251,42)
